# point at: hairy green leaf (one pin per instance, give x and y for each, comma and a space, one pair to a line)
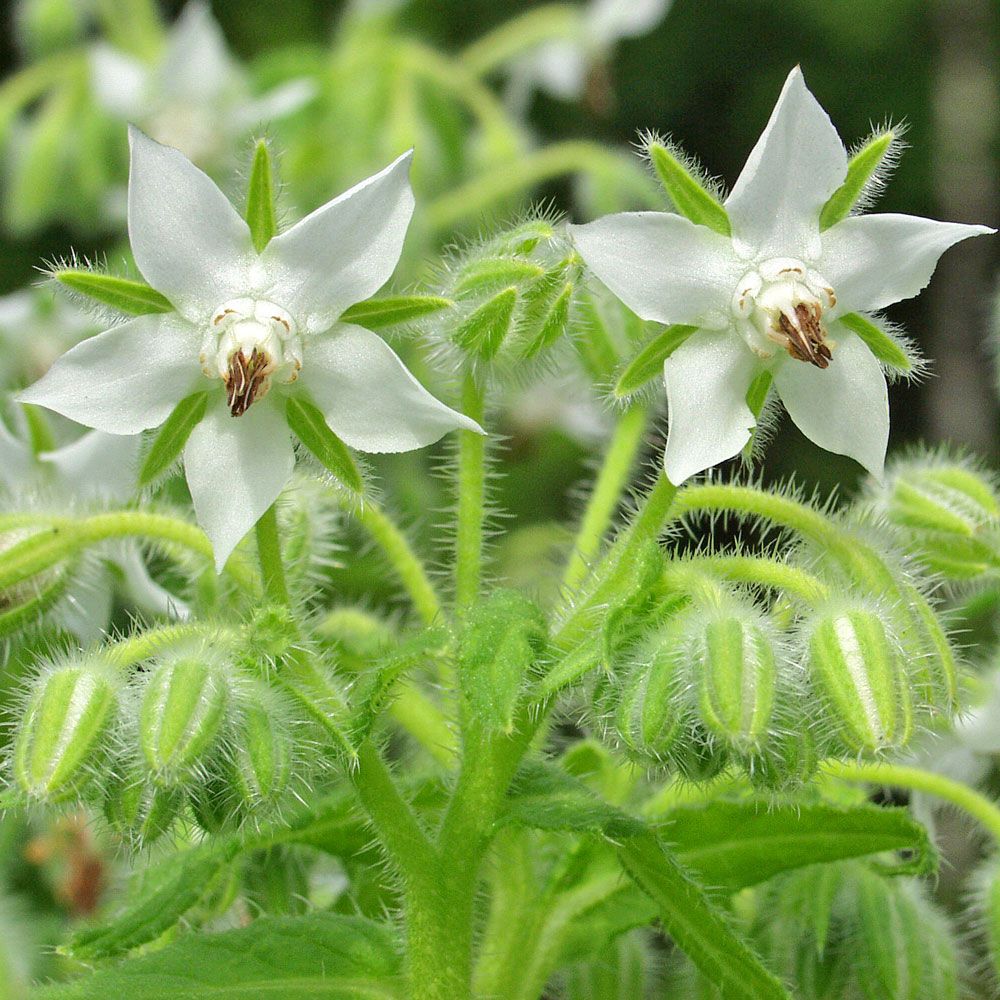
648, 363
863, 165
688, 194
878, 342
294, 958
260, 212
124, 294
484, 330
486, 274
172, 436
309, 425
696, 925
377, 314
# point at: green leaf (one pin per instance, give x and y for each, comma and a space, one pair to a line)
544, 797
697, 927
172, 437
689, 196
737, 844
483, 330
168, 891
756, 398
551, 324
294, 958
39, 431
377, 314
124, 294
309, 425
501, 641
260, 213
878, 342
648, 363
863, 165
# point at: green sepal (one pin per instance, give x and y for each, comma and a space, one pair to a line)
863, 165
309, 425
552, 324
698, 927
648, 363
123, 294
39, 431
484, 330
172, 436
260, 212
878, 342
687, 193
500, 644
485, 274
41, 599
377, 314
756, 398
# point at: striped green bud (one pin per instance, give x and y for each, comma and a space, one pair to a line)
262, 756
181, 716
64, 730
648, 712
857, 667
736, 662
951, 513
140, 811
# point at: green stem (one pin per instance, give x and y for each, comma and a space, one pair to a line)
520, 34
607, 493
471, 499
763, 572
472, 199
269, 554
141, 646
404, 560
967, 799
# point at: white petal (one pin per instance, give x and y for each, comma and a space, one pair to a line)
196, 65
798, 162
874, 260
843, 408
118, 80
343, 252
86, 609
126, 379
662, 266
283, 100
188, 240
235, 468
97, 465
707, 379
141, 589
16, 459
609, 20
370, 398
559, 68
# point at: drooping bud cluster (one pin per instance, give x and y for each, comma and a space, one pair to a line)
948, 511
34, 576
515, 292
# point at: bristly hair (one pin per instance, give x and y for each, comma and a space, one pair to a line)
690, 163
879, 178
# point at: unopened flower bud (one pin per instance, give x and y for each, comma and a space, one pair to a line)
181, 716
262, 756
736, 663
859, 670
139, 810
63, 729
951, 512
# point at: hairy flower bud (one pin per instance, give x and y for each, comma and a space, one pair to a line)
139, 810
63, 729
181, 716
858, 669
736, 663
951, 513
262, 756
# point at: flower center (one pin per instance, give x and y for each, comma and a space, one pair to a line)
782, 302
248, 343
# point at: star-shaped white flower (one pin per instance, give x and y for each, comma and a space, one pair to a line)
250, 328
97, 467
195, 97
771, 296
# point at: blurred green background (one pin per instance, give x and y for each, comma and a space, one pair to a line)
708, 76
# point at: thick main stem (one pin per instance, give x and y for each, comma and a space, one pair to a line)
471, 499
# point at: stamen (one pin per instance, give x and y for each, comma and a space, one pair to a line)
247, 380
805, 336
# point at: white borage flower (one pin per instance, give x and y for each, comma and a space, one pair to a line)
561, 67
260, 327
195, 97
771, 296
97, 468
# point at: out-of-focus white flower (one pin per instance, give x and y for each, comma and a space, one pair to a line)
96, 468
195, 97
35, 328
259, 327
561, 67
770, 296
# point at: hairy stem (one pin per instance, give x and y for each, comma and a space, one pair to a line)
471, 499
269, 554
606, 495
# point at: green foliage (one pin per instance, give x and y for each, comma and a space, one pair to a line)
135, 298
398, 310
861, 170
309, 425
172, 436
261, 215
689, 196
884, 347
648, 363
